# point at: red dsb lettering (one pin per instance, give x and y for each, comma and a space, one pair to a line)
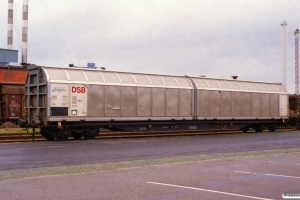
73, 89
78, 89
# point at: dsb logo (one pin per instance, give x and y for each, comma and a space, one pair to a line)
78, 89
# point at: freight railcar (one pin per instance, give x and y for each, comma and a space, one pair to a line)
76, 102
11, 101
12, 81
294, 109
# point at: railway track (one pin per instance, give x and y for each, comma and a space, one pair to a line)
20, 136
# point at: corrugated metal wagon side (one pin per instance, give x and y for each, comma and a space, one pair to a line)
76, 102
257, 104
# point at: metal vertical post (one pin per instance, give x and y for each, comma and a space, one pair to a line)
296, 33
297, 112
283, 25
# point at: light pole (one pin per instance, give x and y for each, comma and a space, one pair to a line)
283, 25
296, 33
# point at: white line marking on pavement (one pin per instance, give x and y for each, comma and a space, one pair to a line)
282, 176
267, 174
185, 187
243, 172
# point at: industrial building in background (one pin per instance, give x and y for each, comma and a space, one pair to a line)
12, 74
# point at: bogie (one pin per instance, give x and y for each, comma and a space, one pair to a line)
76, 135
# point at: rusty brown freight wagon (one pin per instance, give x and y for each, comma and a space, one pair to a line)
11, 97
12, 80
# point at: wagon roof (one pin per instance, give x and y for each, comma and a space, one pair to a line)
104, 77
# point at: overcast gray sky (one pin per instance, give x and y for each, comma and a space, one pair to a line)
216, 38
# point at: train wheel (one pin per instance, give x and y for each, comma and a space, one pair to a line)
258, 128
62, 134
76, 136
271, 128
91, 133
46, 133
49, 136
245, 129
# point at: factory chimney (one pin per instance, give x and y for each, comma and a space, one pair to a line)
283, 25
25, 32
10, 23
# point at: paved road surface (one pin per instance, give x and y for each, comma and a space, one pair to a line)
263, 178
64, 153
